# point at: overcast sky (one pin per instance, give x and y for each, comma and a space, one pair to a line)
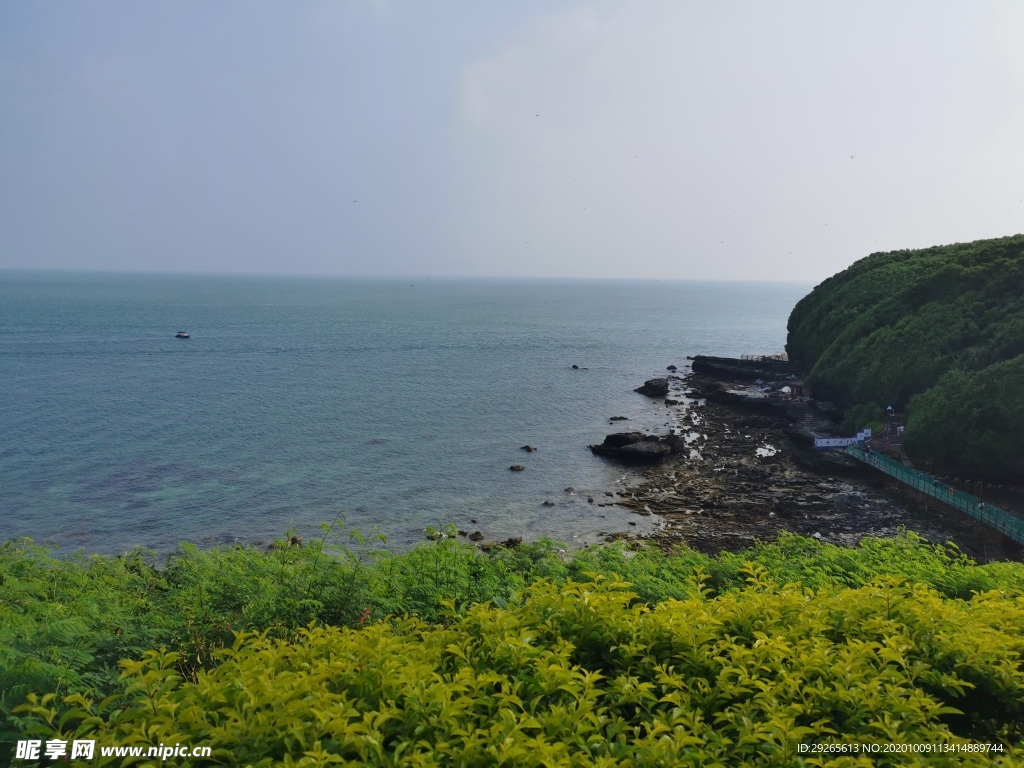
686, 140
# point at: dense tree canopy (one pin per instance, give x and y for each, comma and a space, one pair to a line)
939, 332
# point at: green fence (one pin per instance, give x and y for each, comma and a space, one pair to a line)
1010, 526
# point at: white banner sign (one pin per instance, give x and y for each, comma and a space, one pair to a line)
842, 442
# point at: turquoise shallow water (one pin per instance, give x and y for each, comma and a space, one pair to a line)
397, 403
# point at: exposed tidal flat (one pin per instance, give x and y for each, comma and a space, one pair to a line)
396, 404
743, 470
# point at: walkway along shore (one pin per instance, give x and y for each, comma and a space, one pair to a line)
999, 520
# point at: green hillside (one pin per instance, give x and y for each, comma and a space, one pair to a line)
938, 332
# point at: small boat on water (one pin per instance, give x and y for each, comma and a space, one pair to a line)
182, 335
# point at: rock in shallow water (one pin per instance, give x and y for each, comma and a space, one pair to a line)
619, 439
654, 388
633, 448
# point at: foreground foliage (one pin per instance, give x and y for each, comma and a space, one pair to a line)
66, 623
939, 331
585, 674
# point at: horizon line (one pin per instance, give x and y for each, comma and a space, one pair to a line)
382, 276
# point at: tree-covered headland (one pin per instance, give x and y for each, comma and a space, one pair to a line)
938, 332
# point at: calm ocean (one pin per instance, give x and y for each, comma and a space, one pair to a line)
397, 404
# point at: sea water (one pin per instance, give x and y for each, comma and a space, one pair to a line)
395, 405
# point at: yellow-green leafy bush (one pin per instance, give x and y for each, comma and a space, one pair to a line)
584, 674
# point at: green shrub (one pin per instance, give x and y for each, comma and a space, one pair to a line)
585, 674
65, 623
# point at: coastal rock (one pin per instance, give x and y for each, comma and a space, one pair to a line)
654, 388
735, 369
671, 368
527, 448
476, 536
670, 401
575, 367
548, 503
646, 452
619, 418
517, 467
633, 448
618, 439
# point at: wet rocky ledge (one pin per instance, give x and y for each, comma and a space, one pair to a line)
740, 467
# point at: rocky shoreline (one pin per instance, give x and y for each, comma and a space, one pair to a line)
740, 467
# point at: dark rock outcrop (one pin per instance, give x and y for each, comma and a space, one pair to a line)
736, 369
633, 448
654, 388
646, 452
517, 467
619, 439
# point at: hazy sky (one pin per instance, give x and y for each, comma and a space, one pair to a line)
723, 140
